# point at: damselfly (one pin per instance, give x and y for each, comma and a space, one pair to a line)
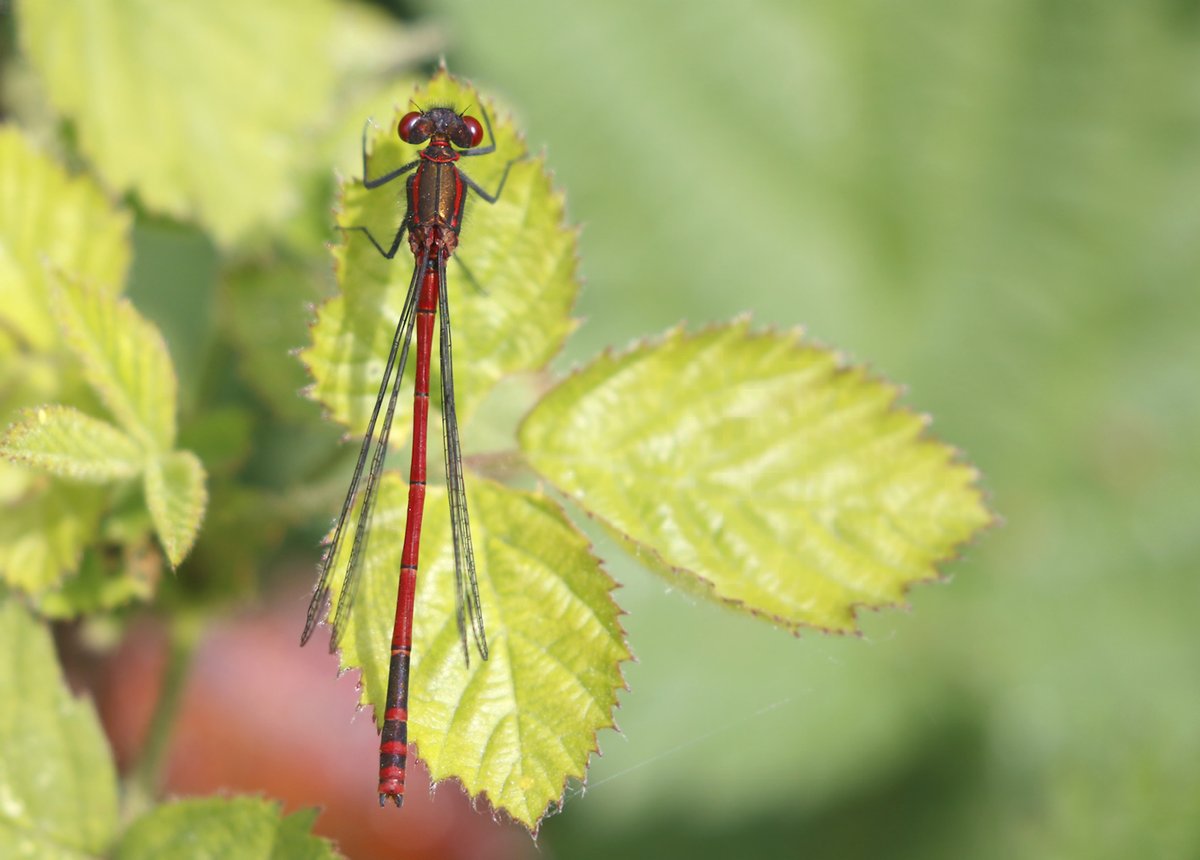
436, 193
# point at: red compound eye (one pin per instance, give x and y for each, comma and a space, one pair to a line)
411, 129
475, 128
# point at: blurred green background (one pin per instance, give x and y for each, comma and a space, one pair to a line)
993, 202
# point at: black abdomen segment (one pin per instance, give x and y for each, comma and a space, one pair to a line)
393, 743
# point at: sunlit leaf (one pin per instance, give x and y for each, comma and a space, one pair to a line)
124, 358
43, 533
234, 828
63, 441
758, 469
515, 742
198, 107
58, 785
520, 252
517, 726
176, 496
47, 216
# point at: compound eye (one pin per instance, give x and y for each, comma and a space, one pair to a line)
475, 129
412, 129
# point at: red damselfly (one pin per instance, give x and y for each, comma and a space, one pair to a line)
436, 191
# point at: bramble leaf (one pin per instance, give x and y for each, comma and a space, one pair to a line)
63, 441
58, 783
47, 216
199, 108
124, 358
43, 533
234, 828
759, 470
521, 724
519, 251
517, 726
176, 496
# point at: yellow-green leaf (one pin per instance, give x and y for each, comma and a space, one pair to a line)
517, 726
760, 470
43, 533
124, 358
58, 784
231, 828
518, 249
198, 107
63, 441
48, 216
176, 496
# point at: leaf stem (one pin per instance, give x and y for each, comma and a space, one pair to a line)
144, 783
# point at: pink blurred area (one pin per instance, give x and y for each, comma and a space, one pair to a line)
261, 715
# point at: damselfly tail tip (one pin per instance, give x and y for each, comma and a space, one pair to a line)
398, 799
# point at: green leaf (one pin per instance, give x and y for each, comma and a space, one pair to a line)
63, 441
176, 497
105, 580
124, 358
521, 724
123, 562
519, 250
237, 828
198, 107
58, 785
43, 533
48, 216
517, 726
759, 470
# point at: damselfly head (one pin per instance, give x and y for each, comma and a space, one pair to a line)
463, 131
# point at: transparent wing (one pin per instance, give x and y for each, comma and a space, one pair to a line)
393, 372
466, 590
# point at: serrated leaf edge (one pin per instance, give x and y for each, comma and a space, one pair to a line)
501, 812
31, 414
704, 586
202, 504
134, 424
